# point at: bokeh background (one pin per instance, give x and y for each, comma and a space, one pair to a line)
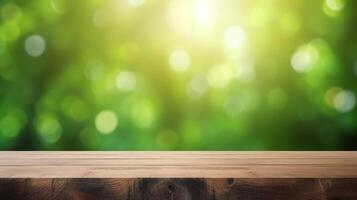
178, 75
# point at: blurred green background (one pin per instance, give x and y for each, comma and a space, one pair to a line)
178, 75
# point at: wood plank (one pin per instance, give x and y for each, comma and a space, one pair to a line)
114, 164
178, 189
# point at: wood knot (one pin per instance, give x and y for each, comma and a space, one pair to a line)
171, 187
230, 181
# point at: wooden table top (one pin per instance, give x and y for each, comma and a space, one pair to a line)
178, 164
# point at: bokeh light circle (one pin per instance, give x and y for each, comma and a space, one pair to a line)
180, 60
35, 45
106, 121
234, 37
125, 81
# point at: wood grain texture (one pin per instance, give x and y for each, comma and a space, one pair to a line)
178, 164
178, 189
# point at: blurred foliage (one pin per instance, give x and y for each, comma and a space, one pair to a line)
178, 75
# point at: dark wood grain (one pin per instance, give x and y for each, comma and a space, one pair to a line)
179, 189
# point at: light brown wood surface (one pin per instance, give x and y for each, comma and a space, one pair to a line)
119, 164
